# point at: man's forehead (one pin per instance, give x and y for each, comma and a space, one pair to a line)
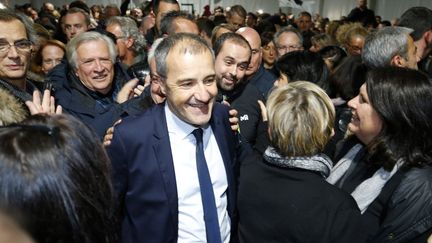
74, 17
288, 38
101, 45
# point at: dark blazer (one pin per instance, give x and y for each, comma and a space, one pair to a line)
144, 178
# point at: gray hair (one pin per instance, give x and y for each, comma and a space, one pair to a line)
7, 15
185, 43
380, 47
151, 53
287, 29
85, 37
129, 28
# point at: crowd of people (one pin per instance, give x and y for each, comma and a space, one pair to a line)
151, 124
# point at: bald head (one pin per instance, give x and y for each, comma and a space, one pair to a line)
250, 34
254, 41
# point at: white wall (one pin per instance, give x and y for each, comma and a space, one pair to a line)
332, 9
269, 6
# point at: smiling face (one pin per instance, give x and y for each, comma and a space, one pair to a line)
366, 124
190, 86
13, 65
231, 64
94, 66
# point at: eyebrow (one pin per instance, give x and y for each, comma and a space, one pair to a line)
229, 58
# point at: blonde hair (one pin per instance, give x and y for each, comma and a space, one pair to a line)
301, 118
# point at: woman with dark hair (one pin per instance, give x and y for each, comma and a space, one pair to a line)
55, 172
268, 50
333, 56
303, 65
387, 165
283, 195
345, 84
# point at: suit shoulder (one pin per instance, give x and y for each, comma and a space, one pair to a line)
144, 120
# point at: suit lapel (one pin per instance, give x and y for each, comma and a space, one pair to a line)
162, 150
226, 148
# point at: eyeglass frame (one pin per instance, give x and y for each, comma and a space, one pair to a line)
289, 48
8, 46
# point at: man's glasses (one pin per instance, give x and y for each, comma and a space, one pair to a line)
21, 46
289, 48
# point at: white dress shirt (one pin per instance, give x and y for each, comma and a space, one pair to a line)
191, 226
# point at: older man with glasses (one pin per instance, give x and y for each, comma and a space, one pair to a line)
16, 43
288, 39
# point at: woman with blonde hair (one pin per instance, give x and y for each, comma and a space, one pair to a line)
283, 195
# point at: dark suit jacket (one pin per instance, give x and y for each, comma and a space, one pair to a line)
144, 178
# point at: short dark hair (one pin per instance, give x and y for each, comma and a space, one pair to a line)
57, 174
304, 66
167, 22
417, 18
7, 15
185, 42
206, 25
237, 10
347, 78
229, 36
157, 2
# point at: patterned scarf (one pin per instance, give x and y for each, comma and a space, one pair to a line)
319, 163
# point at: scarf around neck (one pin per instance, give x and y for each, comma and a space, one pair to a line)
318, 163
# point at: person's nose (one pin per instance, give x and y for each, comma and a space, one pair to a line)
12, 52
353, 102
202, 93
98, 66
233, 70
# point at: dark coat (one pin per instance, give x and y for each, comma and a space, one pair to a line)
293, 205
403, 210
263, 80
95, 110
244, 99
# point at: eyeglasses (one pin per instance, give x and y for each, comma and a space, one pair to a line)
289, 48
21, 46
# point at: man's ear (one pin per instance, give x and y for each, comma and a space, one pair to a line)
428, 37
162, 84
129, 42
398, 61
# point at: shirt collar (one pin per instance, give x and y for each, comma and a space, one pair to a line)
178, 127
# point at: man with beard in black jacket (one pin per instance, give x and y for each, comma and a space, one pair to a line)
233, 54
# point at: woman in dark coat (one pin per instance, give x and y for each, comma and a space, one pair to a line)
283, 195
386, 166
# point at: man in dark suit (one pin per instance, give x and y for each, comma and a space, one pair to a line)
155, 156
